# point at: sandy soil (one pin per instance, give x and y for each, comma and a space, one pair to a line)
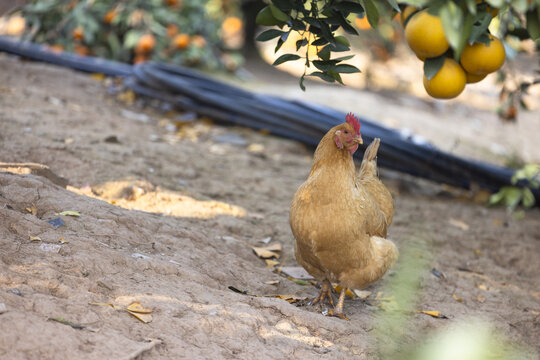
168, 219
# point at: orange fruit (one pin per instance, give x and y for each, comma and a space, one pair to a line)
172, 30
139, 58
472, 78
81, 50
481, 59
425, 35
362, 23
198, 41
146, 44
56, 48
15, 26
448, 83
78, 33
181, 41
109, 16
405, 13
232, 25
172, 2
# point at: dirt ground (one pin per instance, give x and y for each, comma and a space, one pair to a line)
169, 216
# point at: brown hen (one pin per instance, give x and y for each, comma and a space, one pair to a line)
340, 219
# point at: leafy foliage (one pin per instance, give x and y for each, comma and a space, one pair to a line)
113, 29
322, 23
512, 196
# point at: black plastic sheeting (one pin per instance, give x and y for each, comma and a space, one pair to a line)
193, 91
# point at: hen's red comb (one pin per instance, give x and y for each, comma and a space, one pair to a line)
353, 121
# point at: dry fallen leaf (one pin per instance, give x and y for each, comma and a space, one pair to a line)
34, 238
290, 298
145, 318
271, 263
267, 252
362, 294
106, 304
482, 287
459, 224
458, 299
296, 272
478, 252
272, 282
69, 213
256, 148
138, 308
481, 298
135, 309
32, 209
434, 313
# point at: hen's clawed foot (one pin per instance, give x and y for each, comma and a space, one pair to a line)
333, 312
325, 293
338, 309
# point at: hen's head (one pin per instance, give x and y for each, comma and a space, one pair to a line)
347, 135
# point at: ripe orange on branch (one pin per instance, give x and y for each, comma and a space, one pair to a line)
448, 83
181, 41
78, 33
425, 35
481, 59
146, 44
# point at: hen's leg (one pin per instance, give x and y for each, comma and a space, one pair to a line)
338, 309
325, 293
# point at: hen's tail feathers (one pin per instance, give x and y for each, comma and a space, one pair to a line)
371, 151
369, 164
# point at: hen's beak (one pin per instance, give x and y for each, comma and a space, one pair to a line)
358, 140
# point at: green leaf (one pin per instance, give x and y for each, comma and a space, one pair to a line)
324, 65
452, 21
498, 197
528, 198
394, 4
324, 53
349, 6
347, 69
319, 42
481, 23
278, 14
266, 18
327, 33
301, 82
335, 75
322, 76
347, 26
463, 36
131, 38
301, 43
533, 23
471, 6
343, 58
513, 197
342, 40
432, 66
372, 12
269, 35
280, 42
284, 5
284, 58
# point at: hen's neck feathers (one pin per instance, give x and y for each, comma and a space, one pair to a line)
329, 156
